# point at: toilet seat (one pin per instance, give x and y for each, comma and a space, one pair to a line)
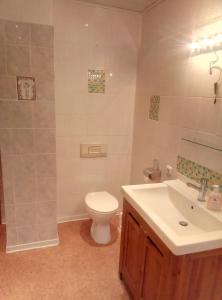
101, 202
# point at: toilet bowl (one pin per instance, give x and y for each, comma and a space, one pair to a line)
101, 207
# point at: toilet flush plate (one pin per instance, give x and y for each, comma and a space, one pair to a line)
93, 150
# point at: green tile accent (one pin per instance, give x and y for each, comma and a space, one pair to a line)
195, 171
154, 107
96, 81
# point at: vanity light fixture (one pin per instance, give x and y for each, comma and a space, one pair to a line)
206, 44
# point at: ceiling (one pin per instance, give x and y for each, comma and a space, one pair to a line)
134, 5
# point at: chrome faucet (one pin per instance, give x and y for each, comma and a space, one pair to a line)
202, 188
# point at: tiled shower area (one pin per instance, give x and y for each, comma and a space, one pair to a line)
27, 134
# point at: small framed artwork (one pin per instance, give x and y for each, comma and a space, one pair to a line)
26, 88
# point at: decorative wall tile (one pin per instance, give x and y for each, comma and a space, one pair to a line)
195, 171
154, 107
26, 88
96, 81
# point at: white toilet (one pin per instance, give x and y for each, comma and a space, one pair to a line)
101, 207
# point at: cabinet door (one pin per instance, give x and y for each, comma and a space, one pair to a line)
154, 271
132, 257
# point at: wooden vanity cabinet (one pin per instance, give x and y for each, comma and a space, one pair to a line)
150, 271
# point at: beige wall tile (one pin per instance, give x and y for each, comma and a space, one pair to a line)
45, 141
11, 236
2, 59
24, 188
47, 231
27, 234
22, 141
8, 87
25, 214
2, 31
44, 88
46, 189
17, 32
42, 62
18, 60
22, 166
43, 114
41, 35
5, 141
46, 212
46, 165
10, 215
15, 114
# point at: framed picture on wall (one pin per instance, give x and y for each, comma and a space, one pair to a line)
26, 88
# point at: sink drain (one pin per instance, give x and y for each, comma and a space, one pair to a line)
183, 223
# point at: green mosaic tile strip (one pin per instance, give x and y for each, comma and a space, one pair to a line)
96, 81
195, 171
154, 107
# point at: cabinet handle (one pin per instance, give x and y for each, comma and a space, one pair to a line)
154, 245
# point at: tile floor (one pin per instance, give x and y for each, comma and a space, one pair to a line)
77, 269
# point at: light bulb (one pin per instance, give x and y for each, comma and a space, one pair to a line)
194, 46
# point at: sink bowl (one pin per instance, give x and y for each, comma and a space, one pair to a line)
173, 212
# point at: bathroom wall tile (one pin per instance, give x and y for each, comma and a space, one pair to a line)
41, 35
47, 231
18, 60
22, 166
22, 141
10, 215
2, 59
45, 140
46, 189
5, 141
42, 57
15, 115
45, 89
16, 32
46, 212
46, 165
8, 87
25, 189
11, 236
25, 214
7, 172
27, 234
208, 115
2, 31
43, 114
71, 124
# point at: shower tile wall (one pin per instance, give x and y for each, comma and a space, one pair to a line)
27, 133
91, 37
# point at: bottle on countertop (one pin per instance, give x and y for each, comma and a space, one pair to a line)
214, 201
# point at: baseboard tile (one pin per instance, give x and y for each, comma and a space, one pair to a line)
78, 218
73, 218
31, 246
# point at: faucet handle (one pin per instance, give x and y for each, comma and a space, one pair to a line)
204, 181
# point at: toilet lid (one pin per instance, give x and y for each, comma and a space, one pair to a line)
101, 201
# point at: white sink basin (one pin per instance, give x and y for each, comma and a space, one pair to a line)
170, 205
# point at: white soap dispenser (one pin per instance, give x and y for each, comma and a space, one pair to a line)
214, 201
